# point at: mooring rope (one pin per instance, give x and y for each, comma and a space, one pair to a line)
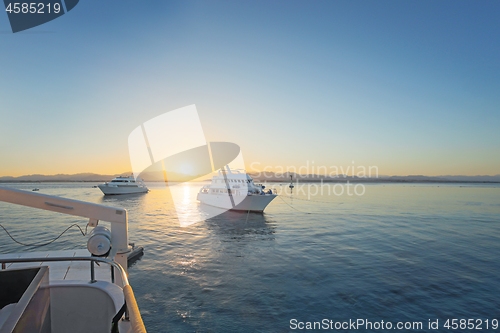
279, 196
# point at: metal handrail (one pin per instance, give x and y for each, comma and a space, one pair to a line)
92, 259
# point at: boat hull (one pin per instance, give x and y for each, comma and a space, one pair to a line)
253, 203
115, 190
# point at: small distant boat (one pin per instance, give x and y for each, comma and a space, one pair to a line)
234, 190
123, 185
36, 189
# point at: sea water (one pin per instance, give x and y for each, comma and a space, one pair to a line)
399, 253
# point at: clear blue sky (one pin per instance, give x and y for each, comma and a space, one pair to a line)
411, 87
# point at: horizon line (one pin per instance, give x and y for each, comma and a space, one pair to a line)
253, 172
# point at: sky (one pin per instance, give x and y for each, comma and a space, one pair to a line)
409, 87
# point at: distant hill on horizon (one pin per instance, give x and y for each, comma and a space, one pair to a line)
79, 177
88, 177
380, 179
270, 177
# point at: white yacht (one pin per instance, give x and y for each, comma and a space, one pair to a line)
64, 291
123, 185
234, 190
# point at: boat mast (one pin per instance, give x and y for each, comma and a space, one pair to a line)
228, 187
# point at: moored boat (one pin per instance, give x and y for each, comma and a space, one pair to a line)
123, 185
234, 190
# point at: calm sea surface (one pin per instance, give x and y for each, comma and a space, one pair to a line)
399, 253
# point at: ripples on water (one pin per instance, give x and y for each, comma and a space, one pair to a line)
398, 253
